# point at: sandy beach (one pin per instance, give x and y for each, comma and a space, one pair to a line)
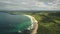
35, 24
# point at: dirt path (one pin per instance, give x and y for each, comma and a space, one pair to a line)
35, 25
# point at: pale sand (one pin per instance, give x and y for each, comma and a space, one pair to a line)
35, 24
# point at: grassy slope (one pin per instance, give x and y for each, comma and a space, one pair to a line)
49, 22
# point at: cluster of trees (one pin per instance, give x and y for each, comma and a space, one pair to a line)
49, 22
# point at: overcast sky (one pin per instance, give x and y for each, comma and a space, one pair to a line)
29, 4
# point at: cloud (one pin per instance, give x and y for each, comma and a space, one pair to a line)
49, 5
29, 5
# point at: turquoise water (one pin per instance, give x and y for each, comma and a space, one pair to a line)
13, 23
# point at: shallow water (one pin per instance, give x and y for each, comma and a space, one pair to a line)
13, 23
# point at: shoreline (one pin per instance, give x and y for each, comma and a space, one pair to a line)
35, 24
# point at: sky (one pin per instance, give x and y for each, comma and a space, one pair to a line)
29, 4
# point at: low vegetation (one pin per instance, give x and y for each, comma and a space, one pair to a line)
49, 22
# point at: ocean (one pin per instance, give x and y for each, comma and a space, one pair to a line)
13, 23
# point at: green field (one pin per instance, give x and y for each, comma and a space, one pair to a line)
49, 22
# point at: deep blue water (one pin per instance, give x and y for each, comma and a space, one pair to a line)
13, 23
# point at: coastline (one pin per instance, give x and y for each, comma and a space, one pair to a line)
34, 26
